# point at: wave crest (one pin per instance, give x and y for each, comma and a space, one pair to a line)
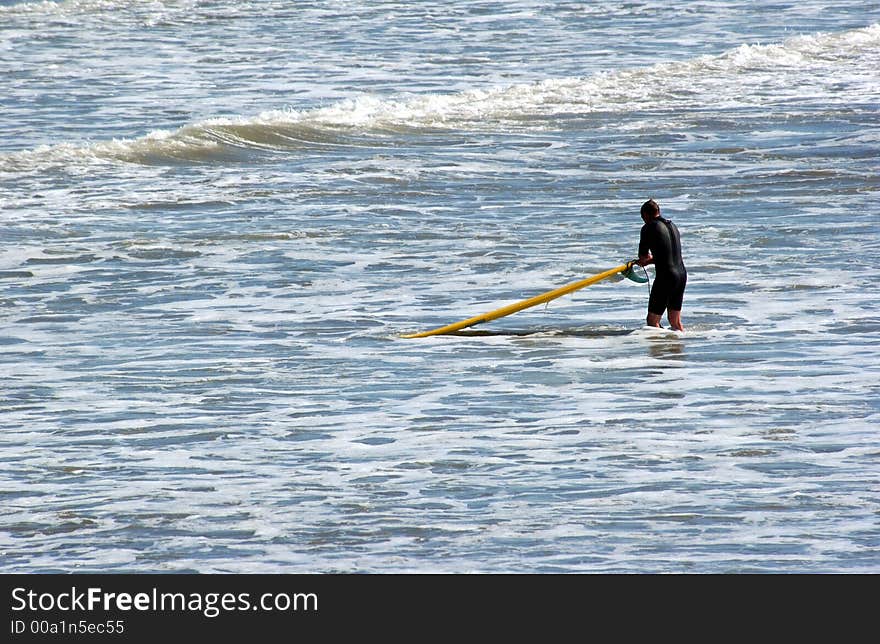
366, 120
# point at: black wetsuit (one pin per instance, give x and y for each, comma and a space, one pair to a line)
660, 236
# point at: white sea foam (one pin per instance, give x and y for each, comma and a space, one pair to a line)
734, 78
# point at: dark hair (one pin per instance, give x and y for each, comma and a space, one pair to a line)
650, 208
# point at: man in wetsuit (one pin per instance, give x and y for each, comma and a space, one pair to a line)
660, 244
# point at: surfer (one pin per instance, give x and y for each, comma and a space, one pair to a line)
660, 244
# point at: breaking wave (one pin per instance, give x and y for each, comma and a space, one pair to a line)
804, 66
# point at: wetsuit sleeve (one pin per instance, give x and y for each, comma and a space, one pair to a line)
644, 243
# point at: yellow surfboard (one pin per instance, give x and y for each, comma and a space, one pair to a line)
519, 306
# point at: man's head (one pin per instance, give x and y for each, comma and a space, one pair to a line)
650, 210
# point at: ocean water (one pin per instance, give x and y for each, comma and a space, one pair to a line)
219, 217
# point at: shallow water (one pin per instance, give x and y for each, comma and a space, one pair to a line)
219, 218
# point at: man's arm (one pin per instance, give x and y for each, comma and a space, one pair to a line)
645, 256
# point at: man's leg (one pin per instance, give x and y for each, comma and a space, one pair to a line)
674, 319
657, 301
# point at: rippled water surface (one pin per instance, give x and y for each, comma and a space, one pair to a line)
219, 218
